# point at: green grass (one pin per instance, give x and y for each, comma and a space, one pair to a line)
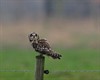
73, 59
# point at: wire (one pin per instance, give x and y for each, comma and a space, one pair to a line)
51, 71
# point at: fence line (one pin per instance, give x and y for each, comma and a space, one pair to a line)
51, 71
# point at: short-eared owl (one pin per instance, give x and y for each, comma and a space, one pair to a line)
42, 46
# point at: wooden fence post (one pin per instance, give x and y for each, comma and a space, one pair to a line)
39, 67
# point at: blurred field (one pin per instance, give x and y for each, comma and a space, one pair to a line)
77, 40
14, 58
57, 31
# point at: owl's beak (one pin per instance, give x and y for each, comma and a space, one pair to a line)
30, 40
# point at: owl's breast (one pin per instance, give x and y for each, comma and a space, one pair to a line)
34, 45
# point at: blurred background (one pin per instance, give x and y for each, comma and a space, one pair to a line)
72, 27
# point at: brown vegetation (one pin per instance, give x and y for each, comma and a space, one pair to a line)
57, 31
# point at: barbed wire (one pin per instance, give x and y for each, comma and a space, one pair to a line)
51, 71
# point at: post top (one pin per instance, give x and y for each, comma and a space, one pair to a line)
40, 57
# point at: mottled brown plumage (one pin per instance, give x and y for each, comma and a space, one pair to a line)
42, 46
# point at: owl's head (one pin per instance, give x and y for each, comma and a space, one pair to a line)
33, 37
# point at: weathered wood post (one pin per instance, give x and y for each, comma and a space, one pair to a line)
39, 67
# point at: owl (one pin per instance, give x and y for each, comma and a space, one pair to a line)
42, 46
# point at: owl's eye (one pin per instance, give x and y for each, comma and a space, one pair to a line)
31, 35
35, 34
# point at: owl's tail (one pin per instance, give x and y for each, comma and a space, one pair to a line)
54, 55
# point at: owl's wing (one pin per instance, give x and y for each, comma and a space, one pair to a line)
43, 46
